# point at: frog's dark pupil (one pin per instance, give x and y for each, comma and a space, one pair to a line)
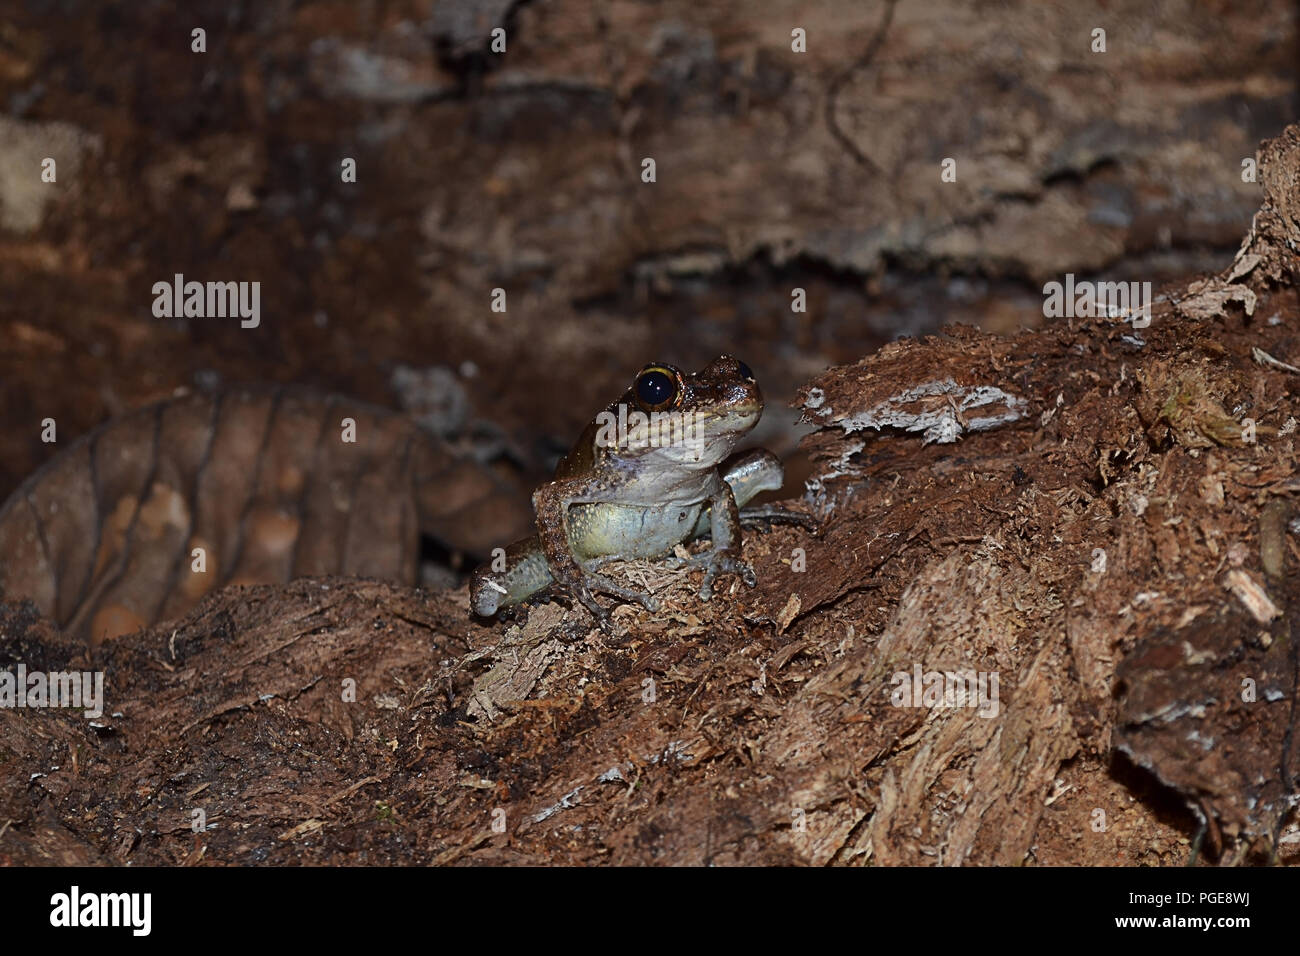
654, 388
745, 371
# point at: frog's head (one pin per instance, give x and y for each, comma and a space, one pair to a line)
690, 420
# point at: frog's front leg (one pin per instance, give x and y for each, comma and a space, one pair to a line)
749, 474
552, 502
724, 555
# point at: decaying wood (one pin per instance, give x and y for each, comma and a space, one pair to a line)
1082, 512
268, 484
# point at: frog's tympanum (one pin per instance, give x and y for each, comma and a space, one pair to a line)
647, 474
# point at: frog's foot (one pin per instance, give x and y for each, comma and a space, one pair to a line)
514, 613
767, 515
603, 585
586, 588
716, 562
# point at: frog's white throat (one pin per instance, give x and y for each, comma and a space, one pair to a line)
698, 455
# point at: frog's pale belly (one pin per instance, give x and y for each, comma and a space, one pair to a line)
626, 530
630, 531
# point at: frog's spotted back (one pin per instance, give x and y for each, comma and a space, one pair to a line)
140, 518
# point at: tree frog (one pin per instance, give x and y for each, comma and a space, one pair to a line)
647, 474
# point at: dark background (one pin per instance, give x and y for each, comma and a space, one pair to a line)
522, 171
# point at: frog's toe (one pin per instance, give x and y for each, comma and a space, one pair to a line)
598, 582
704, 560
725, 564
647, 600
588, 600
577, 592
603, 620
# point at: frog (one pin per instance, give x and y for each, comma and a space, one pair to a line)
653, 470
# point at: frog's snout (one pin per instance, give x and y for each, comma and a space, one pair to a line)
735, 388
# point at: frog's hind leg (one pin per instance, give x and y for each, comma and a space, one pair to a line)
598, 562
604, 585
524, 573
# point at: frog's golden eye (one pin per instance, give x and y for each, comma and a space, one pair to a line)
656, 388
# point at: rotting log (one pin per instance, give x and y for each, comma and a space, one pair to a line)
1099, 516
